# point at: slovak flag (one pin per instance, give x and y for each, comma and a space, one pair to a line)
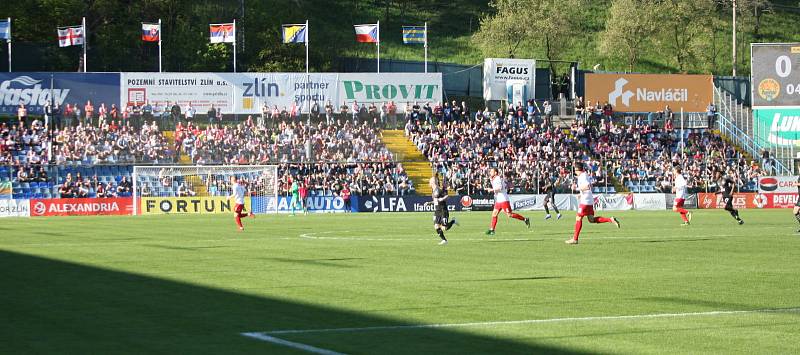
367, 33
70, 36
223, 32
151, 32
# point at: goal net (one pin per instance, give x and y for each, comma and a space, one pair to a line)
203, 189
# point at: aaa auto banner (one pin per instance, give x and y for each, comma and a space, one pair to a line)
163, 205
315, 204
247, 93
81, 206
749, 200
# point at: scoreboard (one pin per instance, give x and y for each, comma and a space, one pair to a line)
775, 74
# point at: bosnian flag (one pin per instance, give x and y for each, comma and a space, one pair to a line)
223, 32
151, 32
70, 36
367, 33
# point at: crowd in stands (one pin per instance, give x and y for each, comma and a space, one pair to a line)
345, 149
529, 150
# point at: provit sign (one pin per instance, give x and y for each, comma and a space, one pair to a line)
397, 87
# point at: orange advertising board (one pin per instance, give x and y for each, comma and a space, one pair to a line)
650, 92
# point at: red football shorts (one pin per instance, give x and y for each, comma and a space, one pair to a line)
585, 210
238, 208
503, 206
679, 202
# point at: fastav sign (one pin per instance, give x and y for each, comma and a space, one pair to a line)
81, 206
650, 92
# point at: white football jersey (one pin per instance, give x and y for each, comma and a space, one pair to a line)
586, 197
680, 187
500, 188
238, 193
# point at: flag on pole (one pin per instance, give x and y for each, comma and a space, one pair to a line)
414, 35
5, 29
294, 34
223, 33
151, 32
70, 36
367, 33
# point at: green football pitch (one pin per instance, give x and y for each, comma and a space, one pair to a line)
380, 284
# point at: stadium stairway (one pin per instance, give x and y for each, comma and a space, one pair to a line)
417, 166
195, 182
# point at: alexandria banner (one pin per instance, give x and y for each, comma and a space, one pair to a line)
34, 90
81, 206
247, 93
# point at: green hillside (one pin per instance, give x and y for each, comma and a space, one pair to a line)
115, 44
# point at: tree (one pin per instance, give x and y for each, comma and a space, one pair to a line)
684, 25
526, 28
629, 27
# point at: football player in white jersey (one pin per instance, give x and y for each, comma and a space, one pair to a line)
679, 188
585, 203
501, 201
238, 192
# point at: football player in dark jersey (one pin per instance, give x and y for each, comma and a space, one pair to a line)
441, 216
726, 188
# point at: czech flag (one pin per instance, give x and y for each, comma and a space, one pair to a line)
151, 32
222, 33
367, 33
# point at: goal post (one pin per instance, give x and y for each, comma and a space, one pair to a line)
184, 189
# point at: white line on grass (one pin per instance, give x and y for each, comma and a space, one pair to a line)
291, 344
525, 321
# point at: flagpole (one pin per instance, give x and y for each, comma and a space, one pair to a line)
426, 47
234, 45
159, 45
379, 46
83, 23
9, 44
308, 80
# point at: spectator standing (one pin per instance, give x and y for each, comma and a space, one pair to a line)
329, 113
315, 111
147, 112
176, 114
88, 111
260, 121
211, 114
190, 112
711, 115
22, 113
392, 108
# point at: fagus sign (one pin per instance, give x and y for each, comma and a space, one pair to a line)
650, 92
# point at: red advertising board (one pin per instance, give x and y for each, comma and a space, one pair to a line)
82, 206
748, 200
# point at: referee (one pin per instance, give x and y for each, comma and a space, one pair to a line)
441, 215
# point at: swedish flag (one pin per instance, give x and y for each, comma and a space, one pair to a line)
294, 34
414, 34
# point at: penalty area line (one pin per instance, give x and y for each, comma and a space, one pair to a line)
291, 344
524, 321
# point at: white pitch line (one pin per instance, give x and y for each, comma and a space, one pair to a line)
525, 321
291, 344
